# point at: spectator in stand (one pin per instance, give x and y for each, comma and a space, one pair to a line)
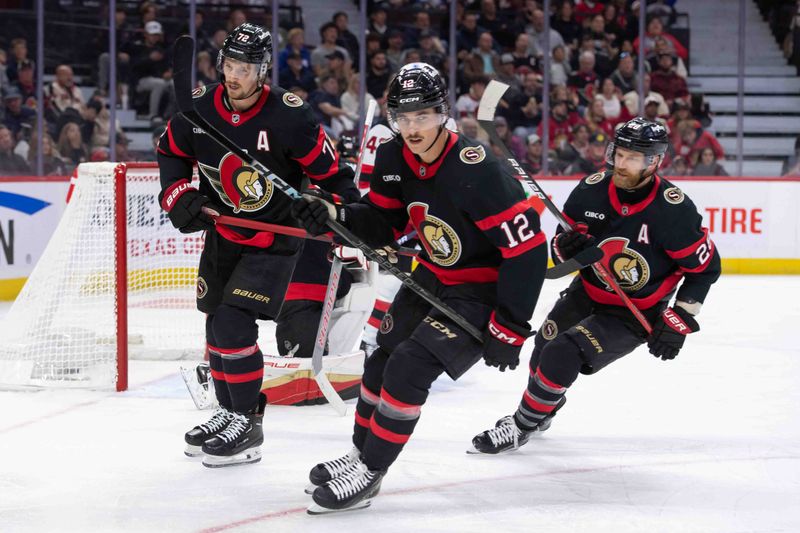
346, 39
295, 74
562, 92
575, 149
584, 80
533, 156
513, 142
631, 99
19, 55
329, 34
395, 50
374, 43
595, 118
700, 109
101, 134
501, 27
52, 163
680, 112
351, 102
651, 106
522, 58
377, 21
11, 164
411, 56
468, 33
611, 97
4, 83
624, 76
707, 164
422, 22
206, 70
470, 128
17, 116
71, 146
216, 43
600, 45
236, 18
327, 107
655, 28
564, 23
506, 74
339, 69
378, 74
296, 39
666, 82
594, 159
614, 24
692, 141
560, 69
535, 28
26, 84
561, 122
467, 104
485, 50
586, 9
63, 94
430, 50
662, 47
679, 167
93, 108
791, 167
151, 67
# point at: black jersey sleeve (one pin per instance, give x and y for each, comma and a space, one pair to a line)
688, 243
381, 216
496, 203
316, 154
175, 153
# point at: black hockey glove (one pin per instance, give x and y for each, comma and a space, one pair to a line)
569, 243
184, 206
502, 344
316, 208
670, 332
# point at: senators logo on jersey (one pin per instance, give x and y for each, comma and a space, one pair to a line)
238, 185
629, 267
439, 239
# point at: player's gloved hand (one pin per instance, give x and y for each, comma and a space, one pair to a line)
502, 344
567, 244
670, 332
185, 207
316, 208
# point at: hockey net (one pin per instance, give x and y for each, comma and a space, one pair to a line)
115, 281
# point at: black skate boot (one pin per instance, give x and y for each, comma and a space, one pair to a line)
196, 436
239, 443
506, 436
324, 472
354, 489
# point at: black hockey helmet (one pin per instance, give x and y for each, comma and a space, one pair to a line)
417, 86
347, 146
248, 43
641, 135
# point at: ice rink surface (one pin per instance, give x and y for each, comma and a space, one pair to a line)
709, 442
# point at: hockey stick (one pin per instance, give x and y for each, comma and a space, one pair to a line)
486, 109
286, 230
328, 303
367, 125
183, 63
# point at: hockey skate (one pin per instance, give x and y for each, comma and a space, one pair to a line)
239, 443
198, 435
352, 490
324, 472
506, 436
200, 385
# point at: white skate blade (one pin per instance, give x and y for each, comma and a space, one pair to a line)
252, 455
310, 488
193, 451
315, 509
202, 397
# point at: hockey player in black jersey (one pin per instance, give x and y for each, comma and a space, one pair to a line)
243, 275
652, 238
483, 254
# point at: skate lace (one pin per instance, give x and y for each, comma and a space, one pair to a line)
337, 466
236, 427
503, 434
218, 421
353, 482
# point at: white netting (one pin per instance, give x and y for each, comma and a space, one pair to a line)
61, 329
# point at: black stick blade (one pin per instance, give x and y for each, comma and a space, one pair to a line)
182, 65
581, 260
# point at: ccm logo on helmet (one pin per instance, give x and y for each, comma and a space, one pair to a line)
411, 99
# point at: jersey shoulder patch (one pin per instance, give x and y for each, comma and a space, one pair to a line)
292, 100
472, 155
674, 195
595, 178
199, 91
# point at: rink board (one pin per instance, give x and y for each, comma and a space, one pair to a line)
753, 221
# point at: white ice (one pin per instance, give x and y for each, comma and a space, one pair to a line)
708, 442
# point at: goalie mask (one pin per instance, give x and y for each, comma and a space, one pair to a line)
250, 49
640, 135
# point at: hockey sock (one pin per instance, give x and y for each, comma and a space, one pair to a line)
236, 332
215, 364
538, 401
368, 399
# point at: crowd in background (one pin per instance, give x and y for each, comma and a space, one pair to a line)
593, 49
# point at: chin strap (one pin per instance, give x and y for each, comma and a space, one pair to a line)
441, 129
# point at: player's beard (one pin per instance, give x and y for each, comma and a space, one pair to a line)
238, 91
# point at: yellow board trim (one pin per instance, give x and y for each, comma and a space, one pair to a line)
9, 288
760, 266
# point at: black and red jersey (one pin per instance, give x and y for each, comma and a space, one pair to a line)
471, 216
279, 130
652, 239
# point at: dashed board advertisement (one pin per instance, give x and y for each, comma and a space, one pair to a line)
30, 209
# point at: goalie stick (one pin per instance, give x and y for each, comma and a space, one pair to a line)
486, 109
183, 63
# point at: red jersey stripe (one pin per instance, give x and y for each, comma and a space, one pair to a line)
312, 155
520, 249
689, 250
457, 276
384, 201
503, 216
314, 292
